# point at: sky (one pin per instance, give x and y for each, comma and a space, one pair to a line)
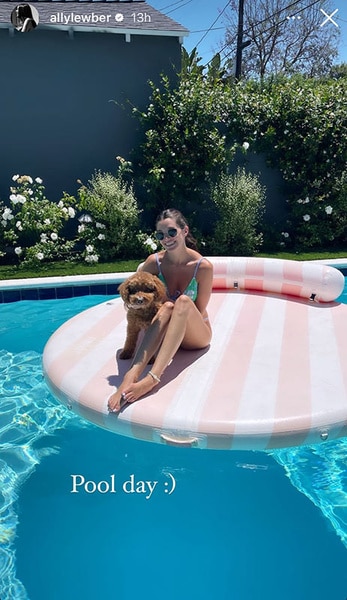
200, 16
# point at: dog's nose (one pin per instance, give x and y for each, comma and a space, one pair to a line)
139, 299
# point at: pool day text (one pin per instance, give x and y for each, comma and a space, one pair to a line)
111, 485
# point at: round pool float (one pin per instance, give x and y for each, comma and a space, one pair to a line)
275, 374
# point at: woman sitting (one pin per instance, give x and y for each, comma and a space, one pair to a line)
182, 321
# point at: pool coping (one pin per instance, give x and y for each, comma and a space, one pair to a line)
57, 288
70, 286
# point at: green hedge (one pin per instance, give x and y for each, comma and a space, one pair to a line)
300, 124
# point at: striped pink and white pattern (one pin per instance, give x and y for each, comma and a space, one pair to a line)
295, 278
275, 374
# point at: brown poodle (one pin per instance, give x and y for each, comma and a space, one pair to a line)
143, 294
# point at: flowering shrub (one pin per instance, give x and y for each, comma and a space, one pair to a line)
147, 242
301, 125
239, 200
110, 221
31, 226
186, 145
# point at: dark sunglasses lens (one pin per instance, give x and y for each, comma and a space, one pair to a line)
172, 232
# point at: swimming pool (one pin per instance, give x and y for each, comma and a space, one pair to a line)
235, 525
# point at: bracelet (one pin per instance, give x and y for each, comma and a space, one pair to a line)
155, 377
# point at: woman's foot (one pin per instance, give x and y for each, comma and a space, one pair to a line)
140, 388
132, 392
117, 400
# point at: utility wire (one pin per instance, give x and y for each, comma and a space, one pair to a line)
168, 12
214, 22
271, 16
285, 8
171, 5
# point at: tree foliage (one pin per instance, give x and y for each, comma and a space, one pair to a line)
185, 144
282, 37
298, 123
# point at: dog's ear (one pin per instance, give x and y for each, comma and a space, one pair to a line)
123, 290
160, 290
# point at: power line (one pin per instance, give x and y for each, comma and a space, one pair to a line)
270, 17
170, 5
181, 5
214, 22
285, 8
203, 30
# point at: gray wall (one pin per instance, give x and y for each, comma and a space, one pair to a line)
56, 118
275, 186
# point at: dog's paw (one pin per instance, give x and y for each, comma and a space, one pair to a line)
124, 354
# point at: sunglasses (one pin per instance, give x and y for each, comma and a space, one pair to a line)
171, 232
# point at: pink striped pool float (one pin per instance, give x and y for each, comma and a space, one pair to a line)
275, 374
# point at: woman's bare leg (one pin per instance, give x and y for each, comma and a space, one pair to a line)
149, 345
187, 329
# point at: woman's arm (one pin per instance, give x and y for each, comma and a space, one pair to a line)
204, 278
149, 265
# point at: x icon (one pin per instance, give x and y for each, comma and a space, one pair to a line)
328, 17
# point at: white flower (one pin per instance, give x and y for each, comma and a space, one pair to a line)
306, 201
89, 248
60, 204
54, 237
21, 198
14, 198
71, 212
43, 237
40, 256
38, 180
64, 209
3, 223
150, 243
81, 228
27, 178
19, 225
47, 221
100, 226
299, 201
328, 210
285, 234
15, 177
245, 145
7, 214
18, 250
101, 236
90, 258
30, 192
306, 217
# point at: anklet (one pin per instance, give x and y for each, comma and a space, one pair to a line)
155, 377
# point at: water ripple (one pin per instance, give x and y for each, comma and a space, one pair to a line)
319, 472
28, 413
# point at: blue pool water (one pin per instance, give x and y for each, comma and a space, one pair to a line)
237, 526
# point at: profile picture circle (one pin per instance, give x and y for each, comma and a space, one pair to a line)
24, 17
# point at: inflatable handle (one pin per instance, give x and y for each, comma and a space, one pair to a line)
180, 441
304, 279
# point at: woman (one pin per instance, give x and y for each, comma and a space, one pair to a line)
22, 18
182, 321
